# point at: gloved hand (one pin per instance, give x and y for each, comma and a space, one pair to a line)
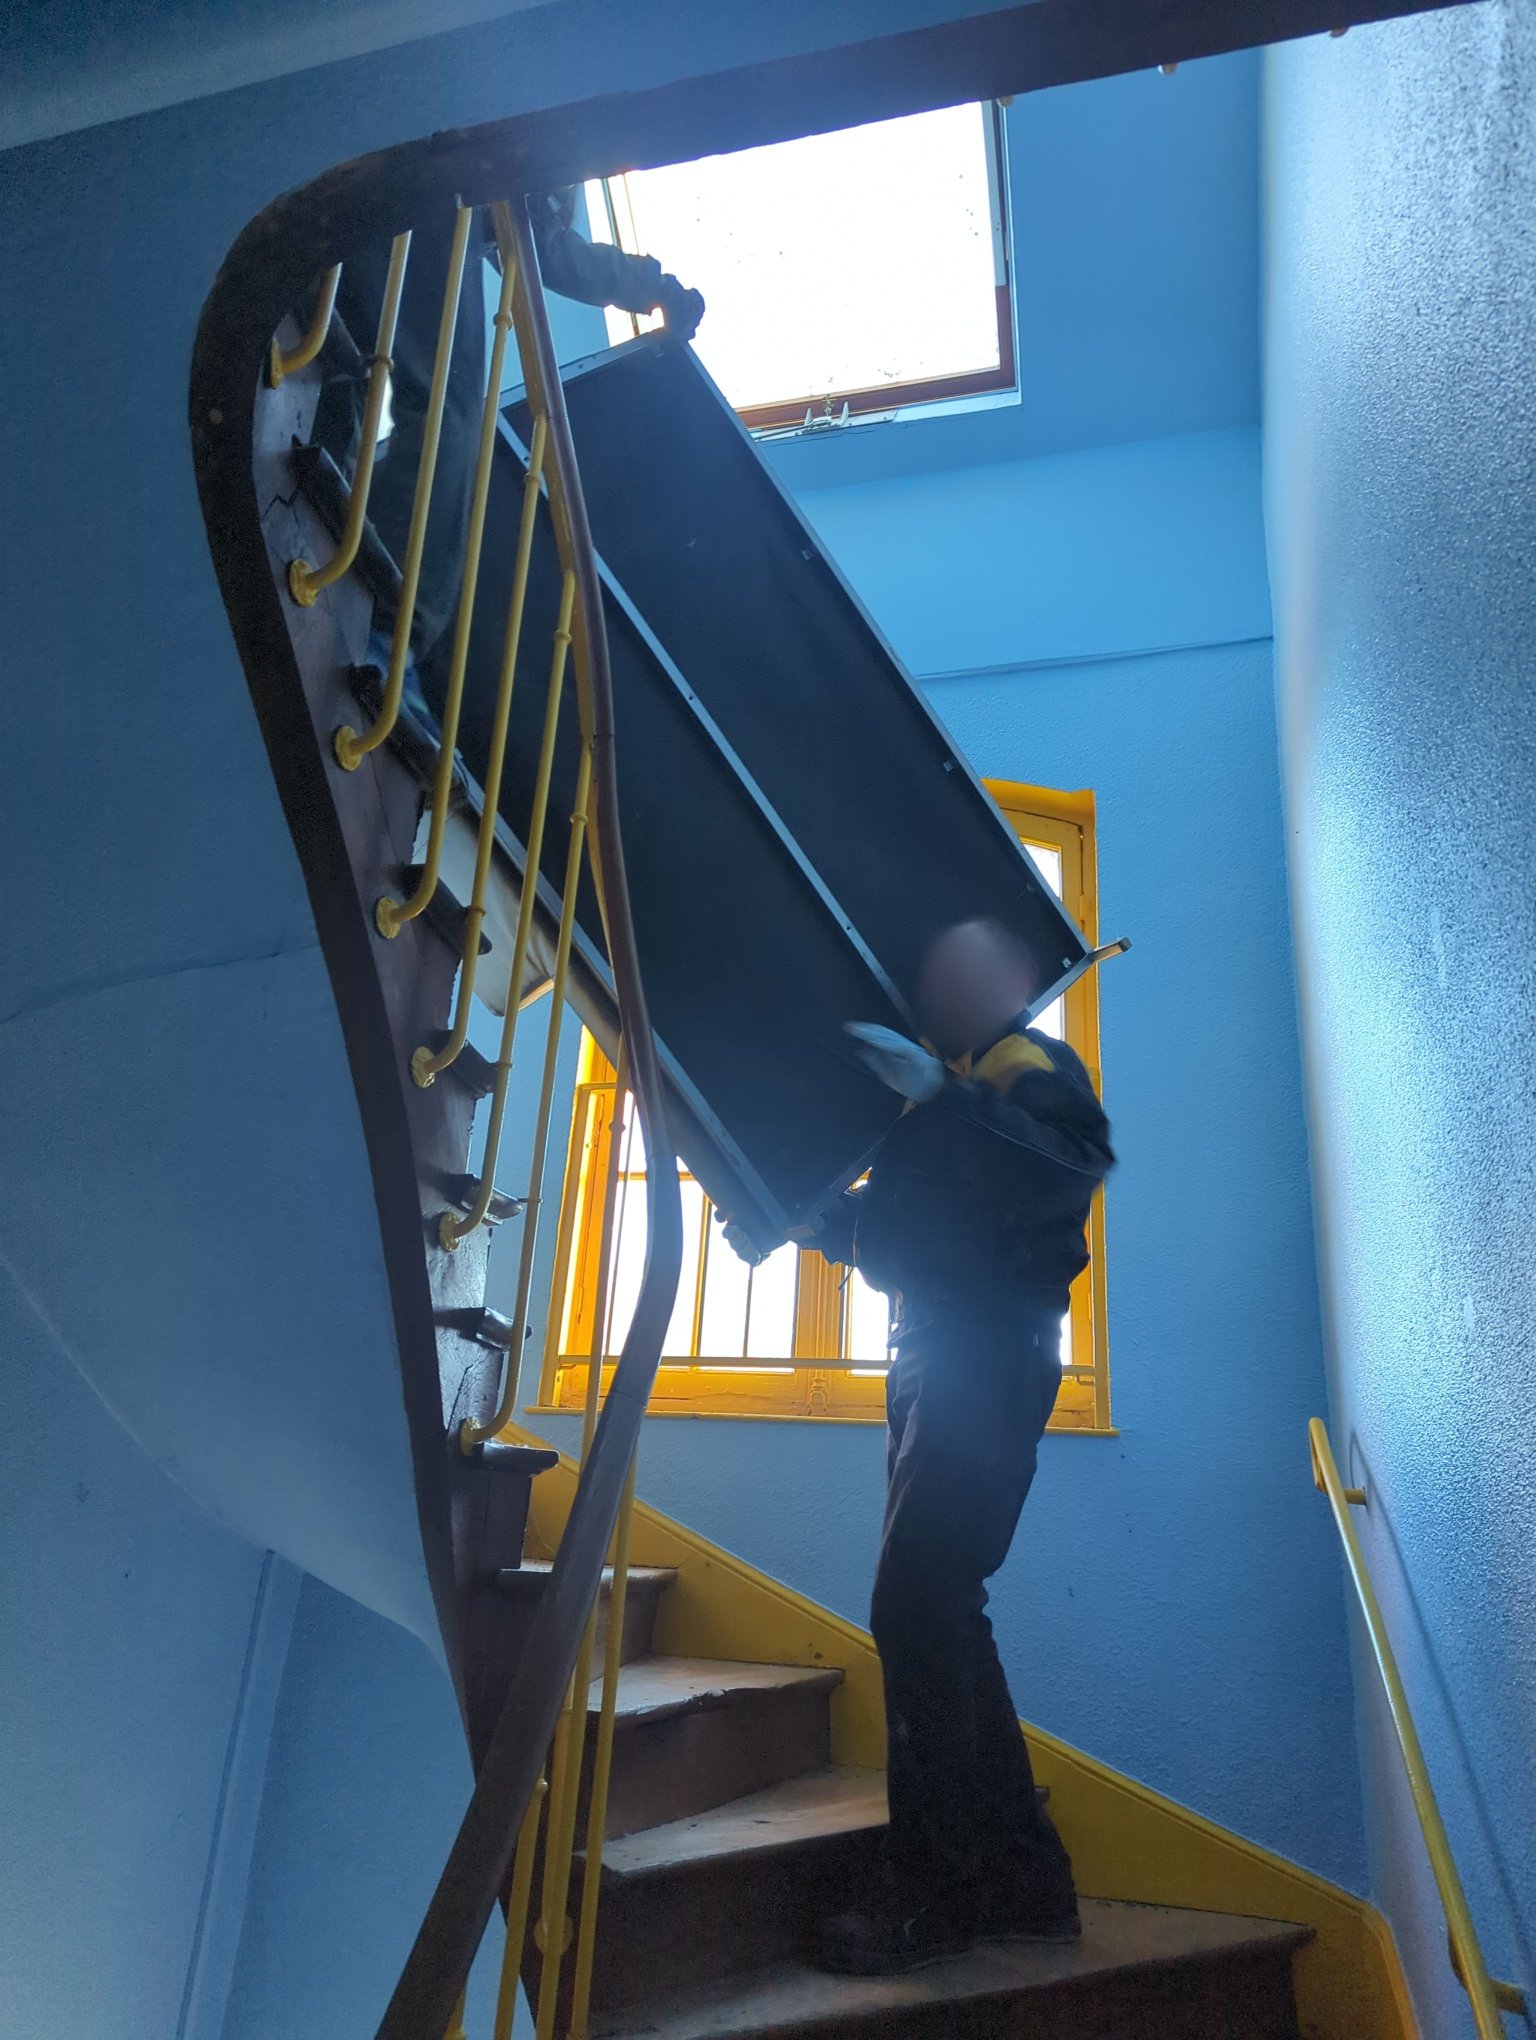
681, 308
741, 1243
898, 1063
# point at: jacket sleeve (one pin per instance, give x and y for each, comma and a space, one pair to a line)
1049, 1108
591, 272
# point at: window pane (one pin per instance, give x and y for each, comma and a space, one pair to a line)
723, 1328
868, 1321
1053, 1020
629, 1234
679, 1340
771, 1319
829, 221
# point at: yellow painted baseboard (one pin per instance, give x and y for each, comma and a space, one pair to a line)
1126, 1841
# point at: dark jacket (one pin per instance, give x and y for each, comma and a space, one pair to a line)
986, 1188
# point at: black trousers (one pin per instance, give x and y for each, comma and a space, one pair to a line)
968, 1399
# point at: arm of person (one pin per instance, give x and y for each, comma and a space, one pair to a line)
831, 1234
597, 273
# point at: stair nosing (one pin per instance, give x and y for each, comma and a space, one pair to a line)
715, 1693
619, 1872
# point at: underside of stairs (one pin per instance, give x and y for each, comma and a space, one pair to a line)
731, 1834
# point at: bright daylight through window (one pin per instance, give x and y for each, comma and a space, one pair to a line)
867, 266
795, 1336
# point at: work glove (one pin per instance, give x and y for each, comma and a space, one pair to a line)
741, 1243
680, 307
900, 1064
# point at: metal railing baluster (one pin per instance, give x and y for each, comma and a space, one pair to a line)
389, 915
281, 365
304, 581
350, 747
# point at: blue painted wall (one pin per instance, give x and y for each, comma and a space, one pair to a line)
1172, 1603
126, 1613
366, 1779
1400, 432
1156, 546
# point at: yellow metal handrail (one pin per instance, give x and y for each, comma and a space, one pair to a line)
304, 581
350, 747
570, 1737
280, 364
452, 1230
517, 1914
472, 1434
390, 916
602, 1767
1485, 1993
544, 1712
425, 1063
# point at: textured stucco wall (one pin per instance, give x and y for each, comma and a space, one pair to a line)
1400, 437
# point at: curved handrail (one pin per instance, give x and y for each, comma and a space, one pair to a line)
476, 1871
1485, 1993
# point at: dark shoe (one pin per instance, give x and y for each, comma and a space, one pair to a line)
1015, 1912
887, 1938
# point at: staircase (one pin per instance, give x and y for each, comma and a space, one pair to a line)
730, 1834
744, 1803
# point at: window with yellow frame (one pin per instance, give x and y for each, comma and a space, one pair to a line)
796, 1337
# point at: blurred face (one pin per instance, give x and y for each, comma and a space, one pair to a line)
972, 987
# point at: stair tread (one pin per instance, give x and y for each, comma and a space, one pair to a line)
653, 1687
1117, 1937
815, 1806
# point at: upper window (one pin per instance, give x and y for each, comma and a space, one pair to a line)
866, 267
796, 1337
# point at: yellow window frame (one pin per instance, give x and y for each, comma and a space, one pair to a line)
814, 1381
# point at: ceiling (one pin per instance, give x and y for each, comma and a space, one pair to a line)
69, 64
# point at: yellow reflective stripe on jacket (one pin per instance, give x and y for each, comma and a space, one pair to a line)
1008, 1060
